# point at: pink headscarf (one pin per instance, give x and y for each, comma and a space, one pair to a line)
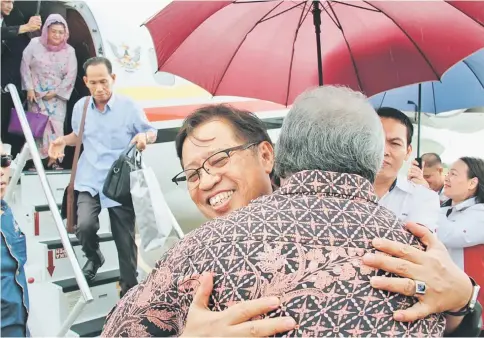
54, 19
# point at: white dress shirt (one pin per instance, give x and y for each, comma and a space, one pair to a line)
412, 202
462, 231
442, 196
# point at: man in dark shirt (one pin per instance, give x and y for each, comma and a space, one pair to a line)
14, 40
11, 32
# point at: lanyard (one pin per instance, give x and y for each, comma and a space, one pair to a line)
394, 184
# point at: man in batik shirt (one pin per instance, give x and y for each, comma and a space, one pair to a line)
303, 243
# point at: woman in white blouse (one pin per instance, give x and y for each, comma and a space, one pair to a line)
461, 222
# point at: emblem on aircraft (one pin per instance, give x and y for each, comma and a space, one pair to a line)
127, 57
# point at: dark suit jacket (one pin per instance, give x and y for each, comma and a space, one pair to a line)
13, 45
8, 33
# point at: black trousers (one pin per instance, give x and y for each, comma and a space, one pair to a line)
122, 227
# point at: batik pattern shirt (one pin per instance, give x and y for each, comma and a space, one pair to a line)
304, 244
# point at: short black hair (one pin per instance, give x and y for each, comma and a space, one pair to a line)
476, 169
399, 116
431, 159
98, 60
247, 126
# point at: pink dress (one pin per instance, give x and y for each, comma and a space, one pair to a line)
44, 69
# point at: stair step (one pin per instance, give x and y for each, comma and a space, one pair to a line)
57, 244
45, 207
106, 277
90, 328
31, 190
47, 172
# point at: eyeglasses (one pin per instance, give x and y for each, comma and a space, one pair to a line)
212, 166
6, 161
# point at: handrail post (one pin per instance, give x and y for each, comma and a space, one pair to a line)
81, 280
21, 160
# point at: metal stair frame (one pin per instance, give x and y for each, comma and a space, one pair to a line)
31, 147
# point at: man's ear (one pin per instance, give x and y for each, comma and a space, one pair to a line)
409, 152
473, 183
266, 155
114, 77
85, 80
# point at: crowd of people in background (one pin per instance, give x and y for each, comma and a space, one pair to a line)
46, 76
286, 242
310, 241
38, 60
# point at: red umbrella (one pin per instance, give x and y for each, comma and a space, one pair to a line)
267, 49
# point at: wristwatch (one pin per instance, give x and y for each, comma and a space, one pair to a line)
469, 306
470, 325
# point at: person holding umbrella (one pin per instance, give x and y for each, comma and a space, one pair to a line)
411, 202
11, 32
433, 173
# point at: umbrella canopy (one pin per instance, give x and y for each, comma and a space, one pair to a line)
267, 49
461, 87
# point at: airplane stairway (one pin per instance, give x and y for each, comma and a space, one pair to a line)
62, 302
53, 290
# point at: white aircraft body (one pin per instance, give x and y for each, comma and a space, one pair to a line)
114, 29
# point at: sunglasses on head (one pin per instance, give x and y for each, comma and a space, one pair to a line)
6, 161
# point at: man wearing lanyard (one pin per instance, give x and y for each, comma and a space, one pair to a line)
411, 201
433, 174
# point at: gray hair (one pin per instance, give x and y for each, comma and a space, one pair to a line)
331, 128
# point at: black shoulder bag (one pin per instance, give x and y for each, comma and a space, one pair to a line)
117, 183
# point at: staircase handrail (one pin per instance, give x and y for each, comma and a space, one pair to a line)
80, 279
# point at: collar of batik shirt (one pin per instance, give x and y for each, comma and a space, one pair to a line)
327, 183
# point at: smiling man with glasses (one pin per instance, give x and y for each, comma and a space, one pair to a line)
227, 157
212, 166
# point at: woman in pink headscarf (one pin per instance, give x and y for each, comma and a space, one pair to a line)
49, 70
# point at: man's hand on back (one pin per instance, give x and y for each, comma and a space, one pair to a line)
448, 288
234, 321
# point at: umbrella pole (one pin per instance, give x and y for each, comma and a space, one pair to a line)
38, 7
419, 105
317, 25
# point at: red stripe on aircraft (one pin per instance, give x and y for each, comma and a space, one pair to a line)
157, 114
36, 224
